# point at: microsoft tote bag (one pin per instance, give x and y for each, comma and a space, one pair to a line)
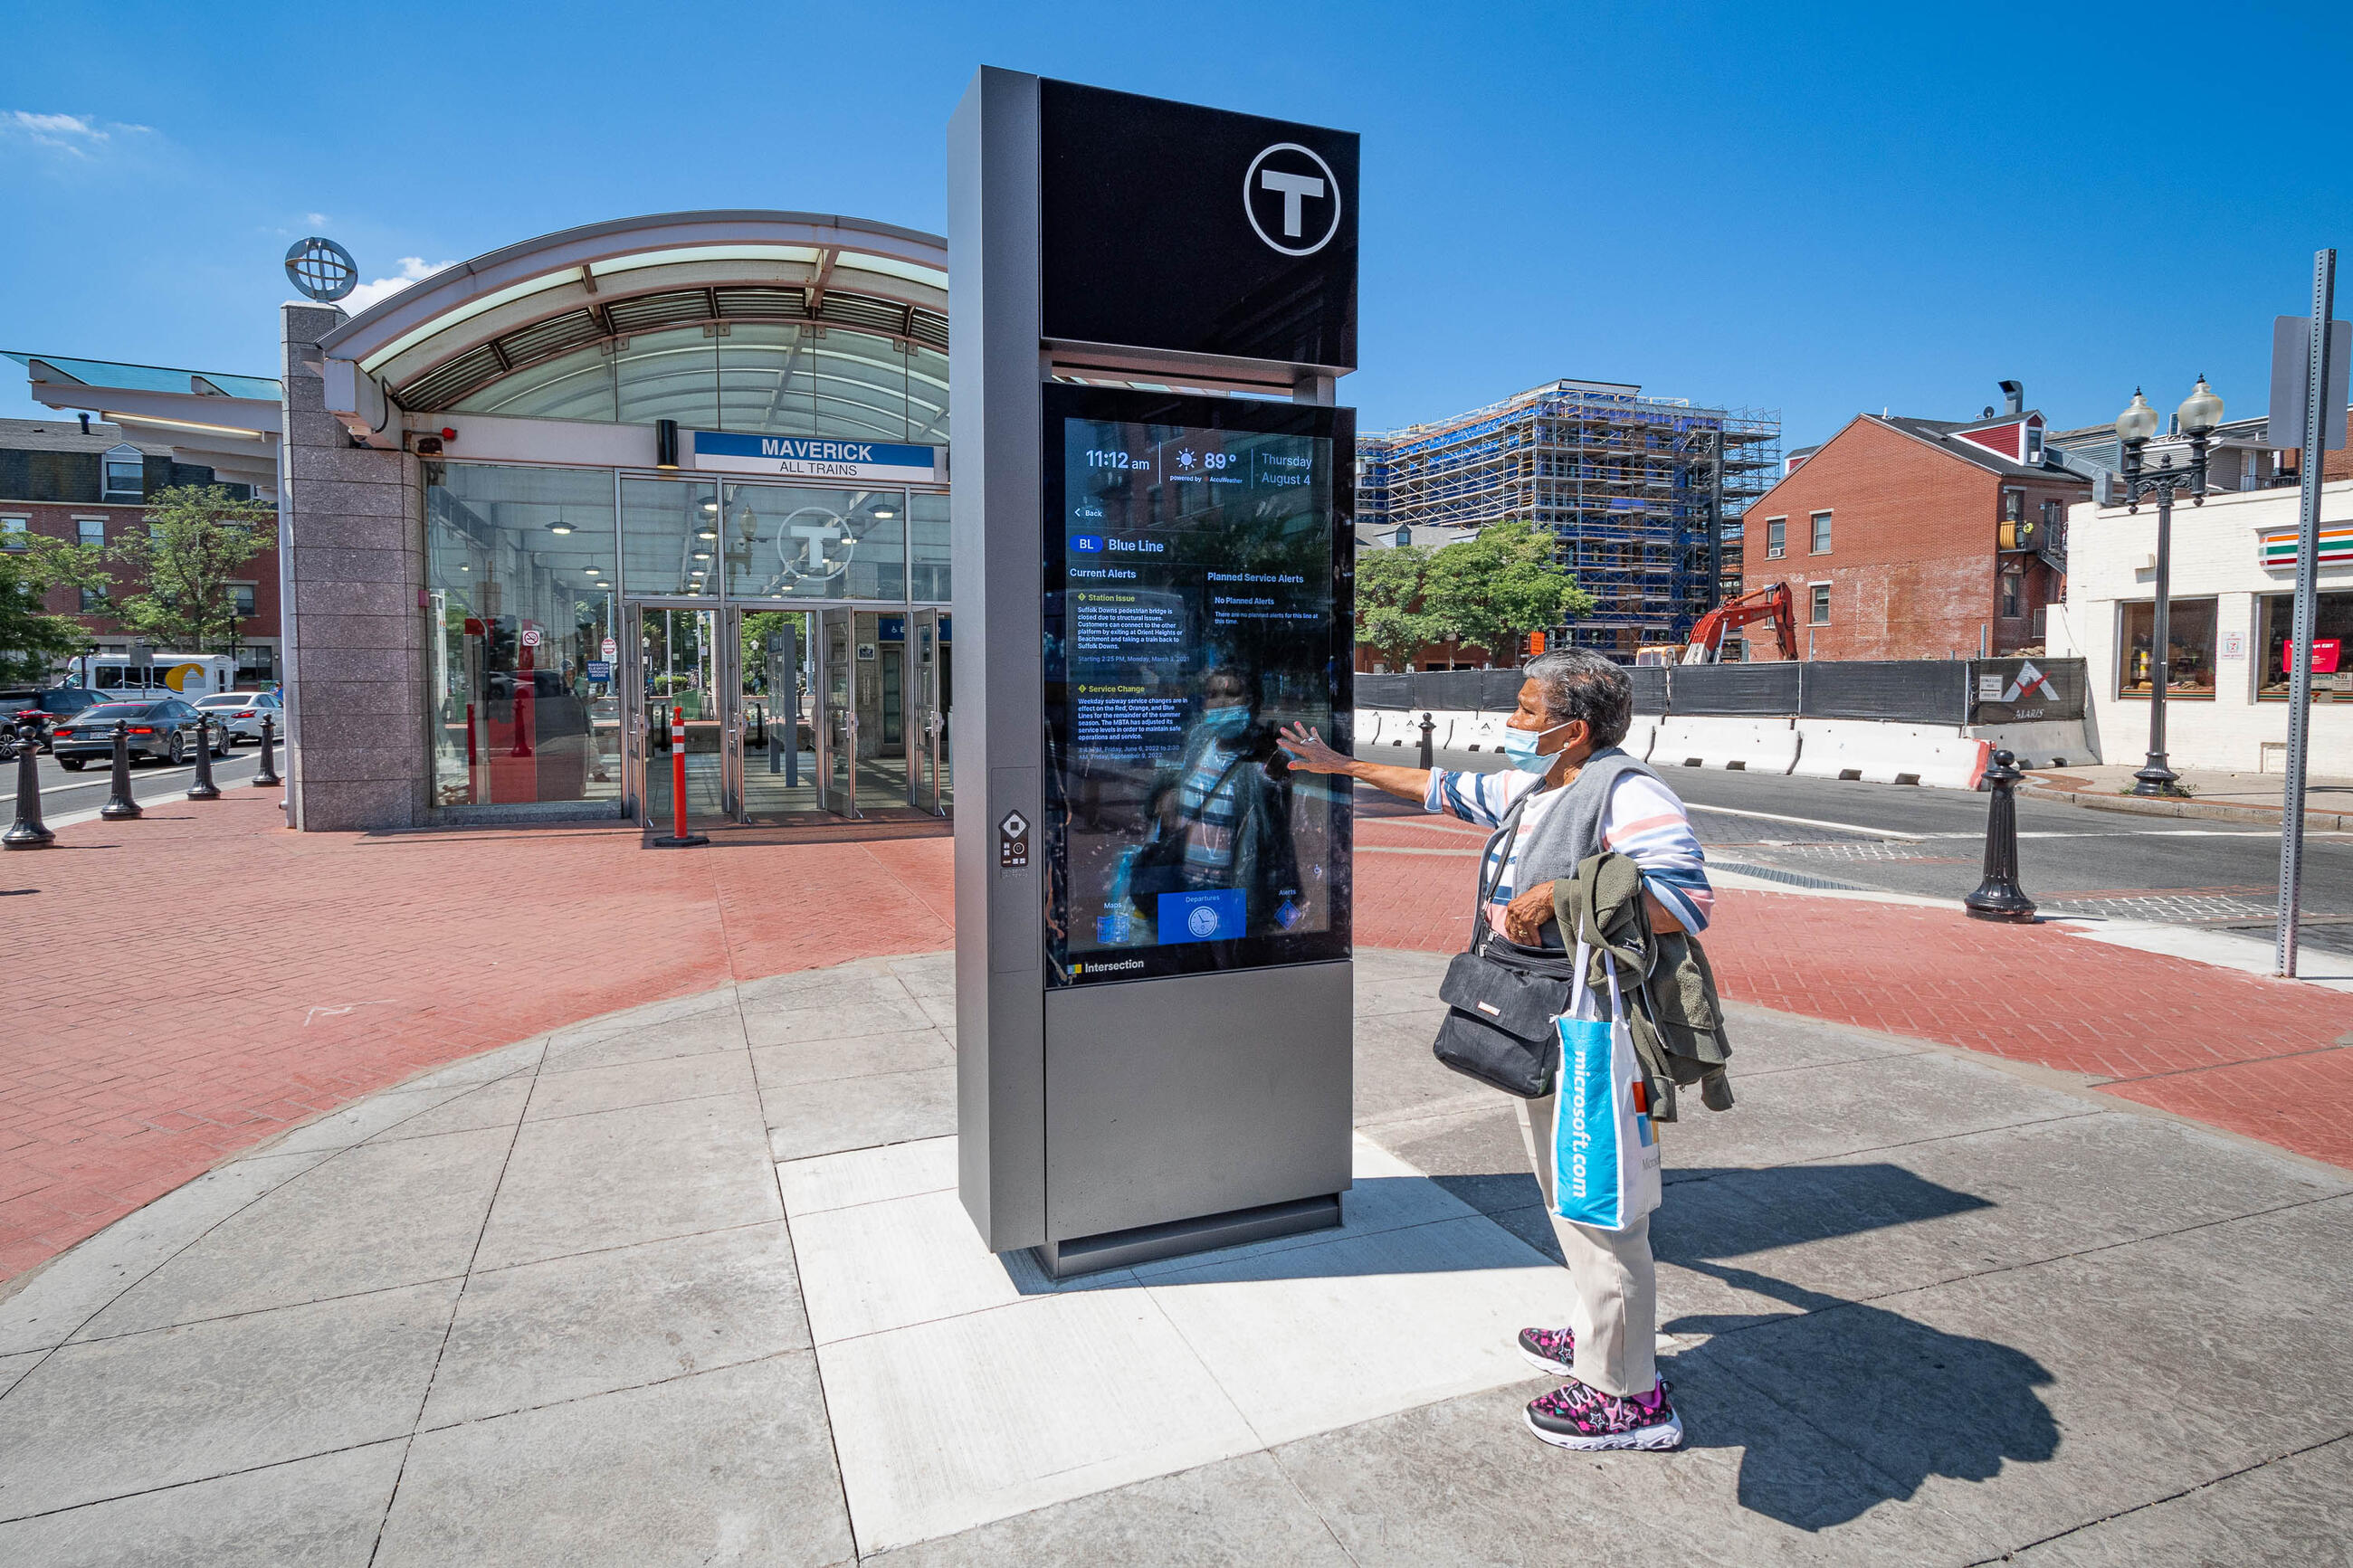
1605, 1151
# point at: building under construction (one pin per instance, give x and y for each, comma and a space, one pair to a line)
1644, 494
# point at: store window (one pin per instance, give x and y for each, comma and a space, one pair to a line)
2189, 631
1819, 610
2332, 666
1822, 545
1777, 531
519, 568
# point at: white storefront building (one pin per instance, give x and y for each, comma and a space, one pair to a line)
2232, 598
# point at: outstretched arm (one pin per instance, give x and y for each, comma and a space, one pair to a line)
1307, 752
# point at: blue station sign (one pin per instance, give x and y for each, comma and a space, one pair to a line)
814, 458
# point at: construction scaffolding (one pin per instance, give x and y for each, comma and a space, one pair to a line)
1645, 495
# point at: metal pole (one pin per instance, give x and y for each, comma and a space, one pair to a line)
2155, 777
2308, 551
1999, 897
204, 788
120, 807
268, 774
29, 832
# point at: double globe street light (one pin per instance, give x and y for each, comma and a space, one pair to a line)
2197, 418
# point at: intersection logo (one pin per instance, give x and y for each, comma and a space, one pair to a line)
2030, 680
1292, 199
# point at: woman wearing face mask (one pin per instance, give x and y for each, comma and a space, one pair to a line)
1232, 815
1577, 794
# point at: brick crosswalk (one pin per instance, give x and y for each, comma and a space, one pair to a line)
189, 985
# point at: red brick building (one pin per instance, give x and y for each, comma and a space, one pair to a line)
1904, 538
70, 479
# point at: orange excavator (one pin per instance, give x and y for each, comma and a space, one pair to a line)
1768, 604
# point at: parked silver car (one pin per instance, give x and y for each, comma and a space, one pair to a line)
239, 713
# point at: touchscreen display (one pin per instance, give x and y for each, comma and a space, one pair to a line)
1193, 608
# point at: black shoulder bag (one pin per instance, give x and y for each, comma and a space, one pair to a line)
1502, 998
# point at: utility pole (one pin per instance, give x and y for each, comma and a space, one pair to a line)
2318, 416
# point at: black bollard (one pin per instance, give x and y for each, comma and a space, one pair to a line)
1999, 897
204, 788
30, 832
120, 807
1428, 754
267, 777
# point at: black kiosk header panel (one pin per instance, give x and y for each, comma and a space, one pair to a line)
1197, 599
1168, 226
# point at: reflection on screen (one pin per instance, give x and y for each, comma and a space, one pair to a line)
1192, 618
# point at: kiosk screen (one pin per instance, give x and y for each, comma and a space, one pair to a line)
1197, 601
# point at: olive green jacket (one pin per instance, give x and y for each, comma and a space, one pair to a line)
1672, 1011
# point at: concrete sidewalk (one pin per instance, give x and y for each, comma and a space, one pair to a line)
686, 1284
2214, 793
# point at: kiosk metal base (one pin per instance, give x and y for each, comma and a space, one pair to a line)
1120, 1249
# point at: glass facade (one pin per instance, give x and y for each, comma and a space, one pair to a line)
2332, 635
531, 572
520, 574
771, 379
2188, 628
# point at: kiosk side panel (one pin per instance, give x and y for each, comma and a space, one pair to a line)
993, 374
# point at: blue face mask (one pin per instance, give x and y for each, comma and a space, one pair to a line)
1520, 746
1230, 721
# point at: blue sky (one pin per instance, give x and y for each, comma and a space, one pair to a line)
1815, 209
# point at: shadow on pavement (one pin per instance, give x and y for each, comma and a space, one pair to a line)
1805, 1396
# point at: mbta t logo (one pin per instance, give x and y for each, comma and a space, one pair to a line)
1292, 199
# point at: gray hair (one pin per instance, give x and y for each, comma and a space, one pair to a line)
1579, 683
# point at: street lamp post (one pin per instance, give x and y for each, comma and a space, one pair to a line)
2200, 412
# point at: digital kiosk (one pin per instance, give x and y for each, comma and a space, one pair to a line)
1153, 550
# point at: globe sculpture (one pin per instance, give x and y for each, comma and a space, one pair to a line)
321, 268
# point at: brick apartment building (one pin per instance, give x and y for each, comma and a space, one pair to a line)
71, 476
1904, 538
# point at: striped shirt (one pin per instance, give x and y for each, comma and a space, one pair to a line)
1642, 820
1206, 797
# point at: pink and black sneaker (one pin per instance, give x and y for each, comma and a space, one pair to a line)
1577, 1415
1549, 1350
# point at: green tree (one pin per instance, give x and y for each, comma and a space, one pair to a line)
758, 628
32, 641
1502, 583
1391, 619
197, 536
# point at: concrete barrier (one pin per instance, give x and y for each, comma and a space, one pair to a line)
1937, 755
2049, 743
1750, 745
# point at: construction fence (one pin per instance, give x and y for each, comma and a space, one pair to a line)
1913, 691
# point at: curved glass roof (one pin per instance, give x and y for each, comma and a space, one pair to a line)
779, 323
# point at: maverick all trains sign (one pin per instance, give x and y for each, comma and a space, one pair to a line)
802, 458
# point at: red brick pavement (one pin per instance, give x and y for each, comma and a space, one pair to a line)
189, 985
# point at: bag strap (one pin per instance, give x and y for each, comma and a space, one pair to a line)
1498, 851
1577, 988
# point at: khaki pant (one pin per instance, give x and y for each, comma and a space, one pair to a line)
1614, 1313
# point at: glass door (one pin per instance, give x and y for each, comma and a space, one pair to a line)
780, 762
836, 718
682, 666
926, 785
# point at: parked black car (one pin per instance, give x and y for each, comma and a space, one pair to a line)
43, 709
161, 730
